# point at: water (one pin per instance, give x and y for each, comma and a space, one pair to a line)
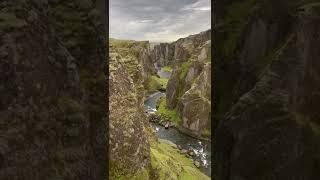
151, 102
202, 149
161, 72
164, 74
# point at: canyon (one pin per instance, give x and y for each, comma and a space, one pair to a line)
136, 74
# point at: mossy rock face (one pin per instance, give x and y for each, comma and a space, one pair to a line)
188, 95
129, 145
256, 87
44, 101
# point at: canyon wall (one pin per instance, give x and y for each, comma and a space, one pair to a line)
135, 152
129, 147
189, 88
266, 89
52, 83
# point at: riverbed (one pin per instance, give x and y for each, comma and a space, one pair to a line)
201, 149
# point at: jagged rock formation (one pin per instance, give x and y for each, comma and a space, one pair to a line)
188, 91
165, 54
266, 90
129, 145
52, 58
162, 54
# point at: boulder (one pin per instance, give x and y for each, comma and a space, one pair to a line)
196, 163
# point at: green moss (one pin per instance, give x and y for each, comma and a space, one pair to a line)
167, 69
163, 111
206, 132
170, 164
184, 69
156, 83
141, 175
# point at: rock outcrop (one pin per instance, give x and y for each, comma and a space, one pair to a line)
169, 54
129, 147
266, 90
188, 90
47, 130
162, 54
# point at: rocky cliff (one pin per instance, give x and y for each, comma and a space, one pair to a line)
129, 146
266, 89
135, 152
52, 59
188, 91
165, 54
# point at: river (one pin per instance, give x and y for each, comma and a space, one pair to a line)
201, 149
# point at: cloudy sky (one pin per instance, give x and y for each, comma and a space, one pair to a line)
158, 20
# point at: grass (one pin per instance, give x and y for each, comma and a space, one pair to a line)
170, 164
168, 113
156, 83
140, 175
206, 132
184, 69
167, 69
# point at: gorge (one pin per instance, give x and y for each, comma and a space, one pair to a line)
136, 72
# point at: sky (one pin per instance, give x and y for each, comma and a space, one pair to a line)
158, 20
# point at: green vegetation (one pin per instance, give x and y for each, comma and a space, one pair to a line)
184, 69
140, 175
206, 132
170, 164
167, 113
167, 69
156, 83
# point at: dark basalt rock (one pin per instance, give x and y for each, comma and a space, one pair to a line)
47, 130
266, 94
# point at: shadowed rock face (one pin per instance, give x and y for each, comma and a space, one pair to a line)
267, 90
47, 130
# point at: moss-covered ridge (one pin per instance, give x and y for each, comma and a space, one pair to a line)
170, 164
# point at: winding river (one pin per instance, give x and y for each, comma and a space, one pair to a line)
201, 149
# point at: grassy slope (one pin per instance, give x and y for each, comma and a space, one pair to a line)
170, 164
167, 69
156, 84
171, 114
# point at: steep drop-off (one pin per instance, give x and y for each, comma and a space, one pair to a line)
266, 89
188, 93
129, 145
135, 152
52, 83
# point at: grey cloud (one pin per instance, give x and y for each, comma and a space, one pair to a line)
158, 20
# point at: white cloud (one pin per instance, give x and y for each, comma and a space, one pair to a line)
158, 20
